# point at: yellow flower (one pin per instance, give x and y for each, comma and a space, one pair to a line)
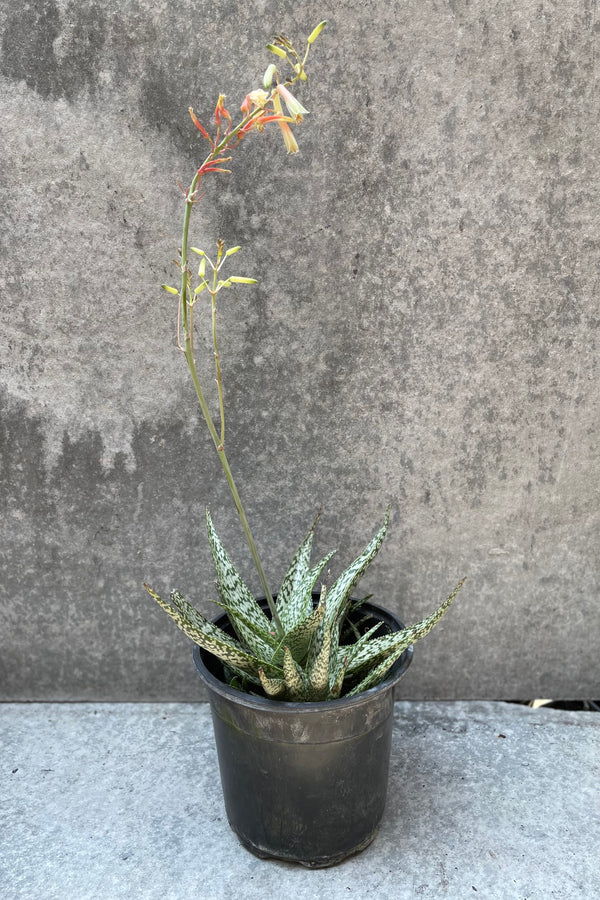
291, 144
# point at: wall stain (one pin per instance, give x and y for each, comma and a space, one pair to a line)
30, 39
27, 47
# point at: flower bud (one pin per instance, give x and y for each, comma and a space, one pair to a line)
317, 31
277, 50
269, 75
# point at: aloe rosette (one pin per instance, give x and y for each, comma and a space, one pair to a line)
307, 657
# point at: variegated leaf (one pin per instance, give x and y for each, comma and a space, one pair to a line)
294, 677
350, 650
298, 639
340, 591
247, 632
336, 680
241, 605
231, 671
300, 602
298, 568
375, 650
199, 621
317, 638
273, 687
211, 638
376, 675
318, 674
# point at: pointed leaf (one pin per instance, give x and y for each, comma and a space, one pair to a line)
376, 675
345, 584
337, 681
248, 633
241, 605
351, 650
294, 677
375, 650
299, 566
211, 638
318, 637
298, 639
299, 603
318, 674
273, 687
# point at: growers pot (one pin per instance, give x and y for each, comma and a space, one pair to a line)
304, 782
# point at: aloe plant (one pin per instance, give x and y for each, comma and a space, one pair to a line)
324, 650
295, 649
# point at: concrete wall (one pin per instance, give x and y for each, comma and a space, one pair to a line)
425, 332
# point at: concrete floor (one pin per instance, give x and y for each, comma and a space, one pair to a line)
110, 801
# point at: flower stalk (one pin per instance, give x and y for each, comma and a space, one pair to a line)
258, 109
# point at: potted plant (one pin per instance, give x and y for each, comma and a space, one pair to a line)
300, 682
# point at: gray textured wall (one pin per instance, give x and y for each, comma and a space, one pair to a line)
425, 331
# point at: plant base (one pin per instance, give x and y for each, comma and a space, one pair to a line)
304, 782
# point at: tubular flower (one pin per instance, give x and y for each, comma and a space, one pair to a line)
258, 100
295, 108
200, 127
221, 113
213, 165
291, 144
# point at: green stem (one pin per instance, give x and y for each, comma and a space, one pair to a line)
216, 349
189, 355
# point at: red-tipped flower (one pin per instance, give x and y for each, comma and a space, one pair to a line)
221, 113
213, 165
200, 128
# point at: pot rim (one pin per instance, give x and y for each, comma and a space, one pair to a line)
292, 707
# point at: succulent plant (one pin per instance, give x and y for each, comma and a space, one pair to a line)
315, 651
294, 649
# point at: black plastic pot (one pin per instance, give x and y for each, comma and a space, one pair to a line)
304, 782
